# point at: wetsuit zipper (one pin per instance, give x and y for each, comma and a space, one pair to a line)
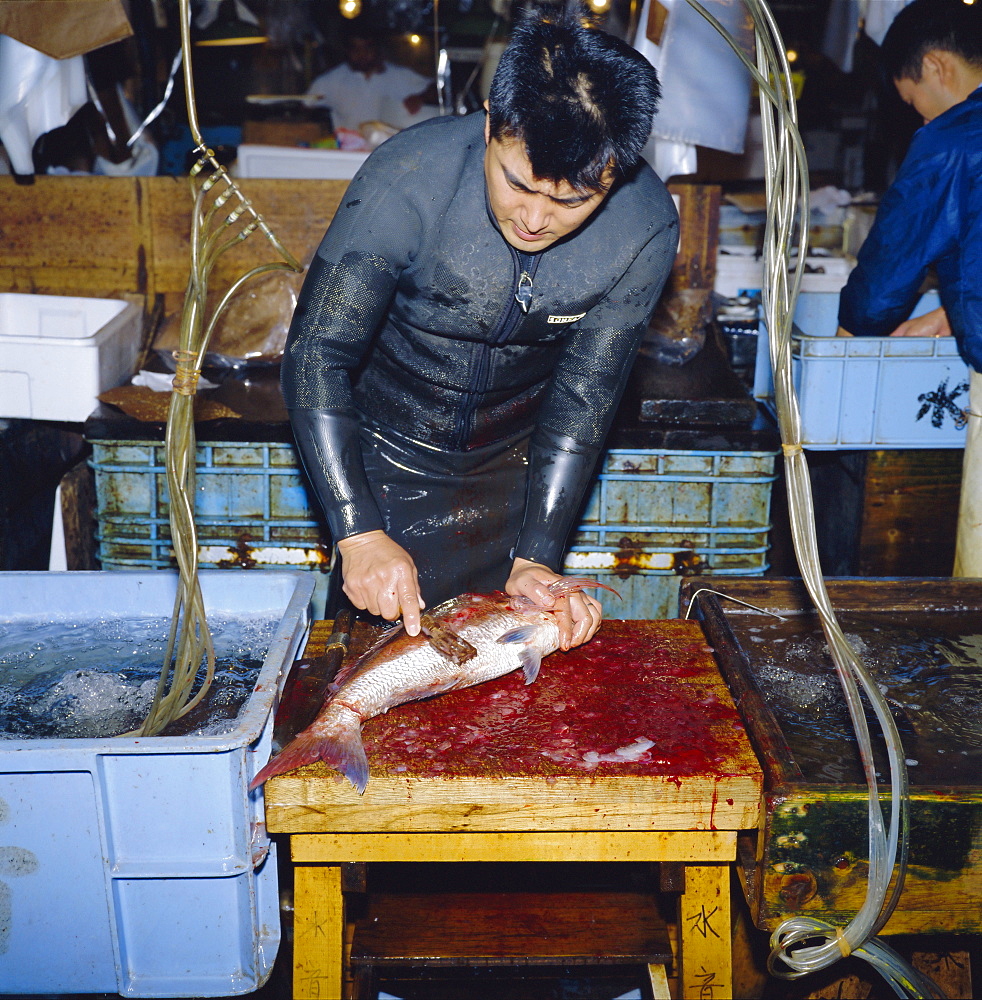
524, 267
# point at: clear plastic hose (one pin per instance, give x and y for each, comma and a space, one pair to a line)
804, 944
221, 218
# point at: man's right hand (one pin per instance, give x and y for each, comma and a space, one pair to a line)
931, 324
380, 577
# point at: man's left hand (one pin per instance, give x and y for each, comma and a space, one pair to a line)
578, 615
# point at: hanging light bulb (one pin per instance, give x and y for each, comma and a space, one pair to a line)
599, 6
349, 8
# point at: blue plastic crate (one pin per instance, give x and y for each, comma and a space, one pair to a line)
869, 392
141, 865
252, 507
655, 516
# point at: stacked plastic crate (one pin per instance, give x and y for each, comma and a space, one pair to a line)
658, 515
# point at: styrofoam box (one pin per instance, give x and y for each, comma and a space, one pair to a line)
142, 866
655, 515
869, 392
57, 353
255, 160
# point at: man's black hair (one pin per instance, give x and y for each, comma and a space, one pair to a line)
579, 99
949, 25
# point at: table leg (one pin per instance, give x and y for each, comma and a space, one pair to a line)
318, 932
705, 971
658, 978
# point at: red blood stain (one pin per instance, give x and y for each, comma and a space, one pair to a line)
634, 680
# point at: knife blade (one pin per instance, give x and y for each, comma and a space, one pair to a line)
306, 685
449, 643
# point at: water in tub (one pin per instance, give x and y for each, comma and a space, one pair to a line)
927, 665
96, 677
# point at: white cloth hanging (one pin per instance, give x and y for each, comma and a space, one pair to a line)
842, 26
37, 94
697, 108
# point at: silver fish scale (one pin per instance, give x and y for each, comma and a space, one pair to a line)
421, 671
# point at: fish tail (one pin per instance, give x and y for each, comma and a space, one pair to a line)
573, 584
336, 741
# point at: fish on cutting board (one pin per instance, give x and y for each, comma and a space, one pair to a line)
507, 633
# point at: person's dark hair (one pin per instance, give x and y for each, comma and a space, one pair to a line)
949, 25
363, 29
578, 98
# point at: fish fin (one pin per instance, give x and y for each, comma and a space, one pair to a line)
529, 657
573, 584
531, 660
521, 633
338, 745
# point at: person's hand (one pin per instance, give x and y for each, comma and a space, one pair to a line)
932, 324
577, 615
413, 103
380, 577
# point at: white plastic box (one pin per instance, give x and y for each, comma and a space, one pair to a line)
743, 274
57, 353
142, 866
869, 392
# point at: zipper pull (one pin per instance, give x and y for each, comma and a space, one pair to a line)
523, 294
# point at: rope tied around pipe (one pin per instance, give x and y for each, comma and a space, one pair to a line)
842, 942
187, 374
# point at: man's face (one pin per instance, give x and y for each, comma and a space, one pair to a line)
363, 55
923, 97
931, 95
533, 214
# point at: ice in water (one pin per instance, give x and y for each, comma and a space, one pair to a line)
97, 678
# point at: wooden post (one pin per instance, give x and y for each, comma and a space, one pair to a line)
318, 952
968, 546
78, 516
704, 929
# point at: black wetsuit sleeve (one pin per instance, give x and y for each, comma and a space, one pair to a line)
343, 301
560, 469
580, 405
330, 449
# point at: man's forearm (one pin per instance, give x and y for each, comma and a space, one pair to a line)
330, 448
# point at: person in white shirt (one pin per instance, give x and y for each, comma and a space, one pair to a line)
367, 88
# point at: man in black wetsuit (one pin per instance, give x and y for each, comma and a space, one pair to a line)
469, 321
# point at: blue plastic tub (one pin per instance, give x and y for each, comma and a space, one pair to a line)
142, 865
869, 392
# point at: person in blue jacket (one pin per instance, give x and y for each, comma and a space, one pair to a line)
468, 324
931, 218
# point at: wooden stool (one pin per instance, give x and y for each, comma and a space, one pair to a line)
682, 807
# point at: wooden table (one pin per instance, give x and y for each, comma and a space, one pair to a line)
498, 773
